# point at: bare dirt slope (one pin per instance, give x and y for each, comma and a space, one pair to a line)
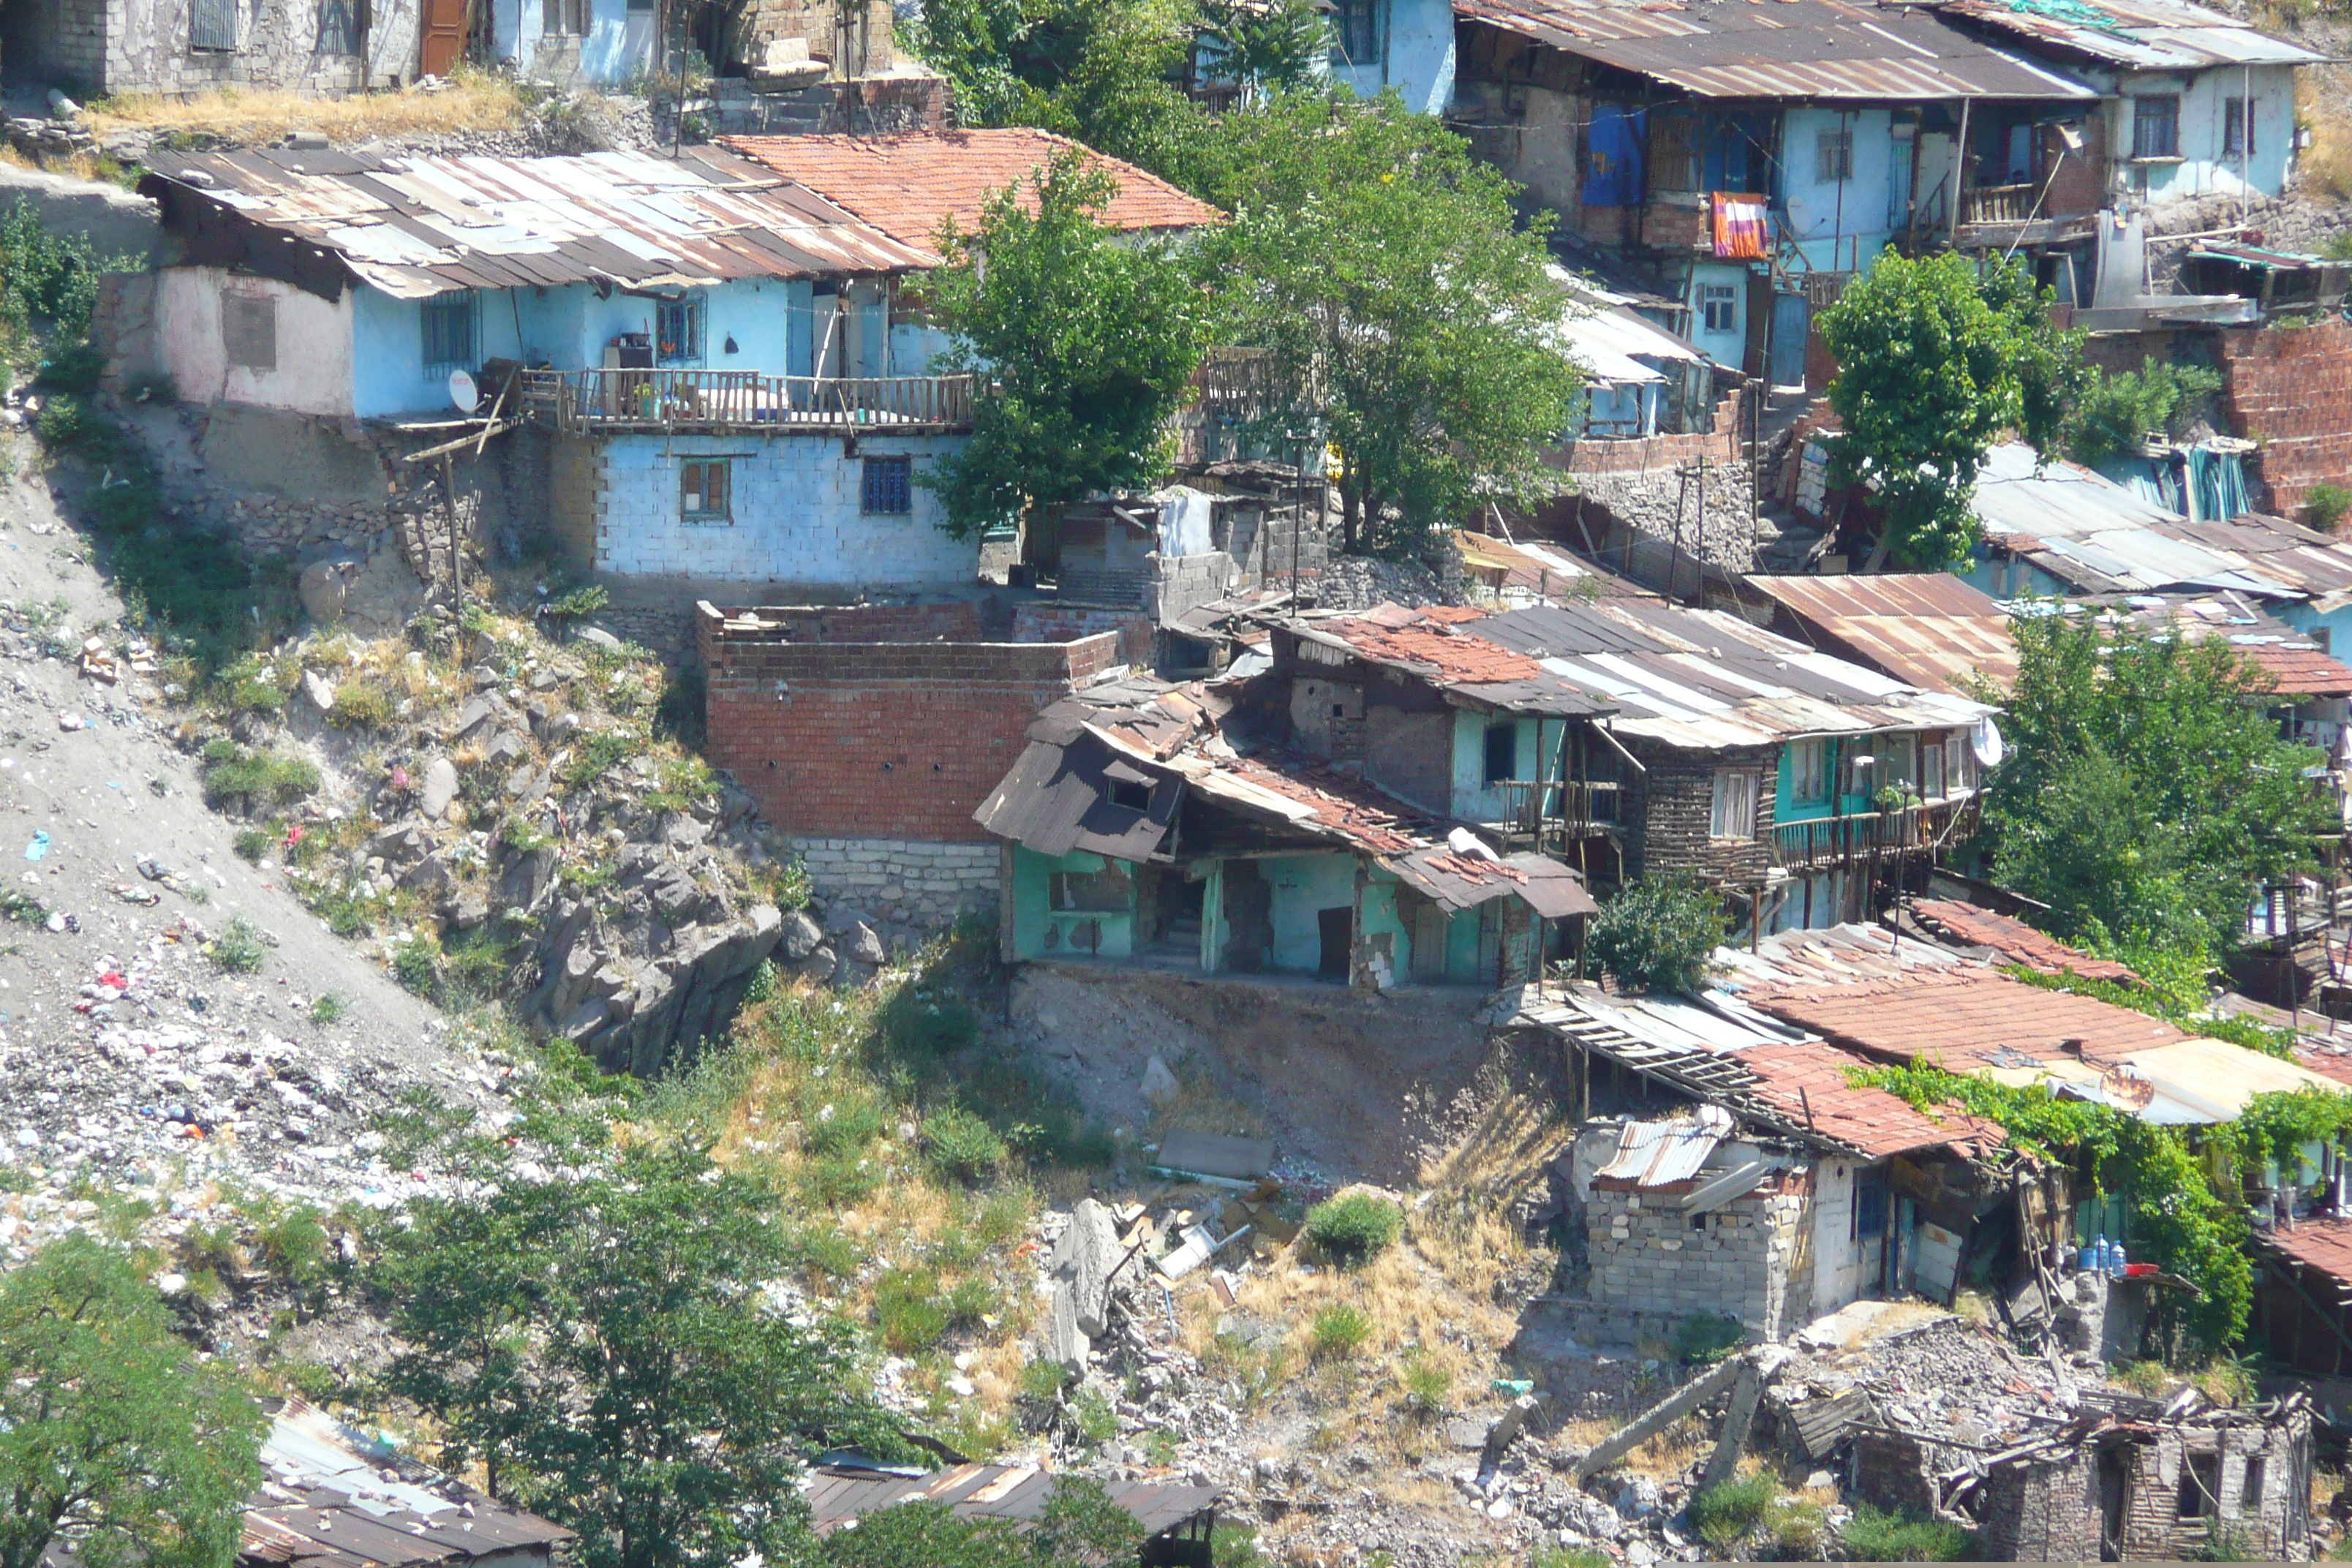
130, 1060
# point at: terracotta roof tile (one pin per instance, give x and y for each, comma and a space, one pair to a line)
908, 185
2300, 671
1367, 818
1871, 1120
1966, 1019
2017, 941
1448, 655
2325, 1244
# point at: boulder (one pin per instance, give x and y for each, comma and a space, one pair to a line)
318, 691
325, 588
598, 637
467, 908
439, 789
428, 875
1160, 1085
527, 875
865, 945
473, 719
507, 748
802, 935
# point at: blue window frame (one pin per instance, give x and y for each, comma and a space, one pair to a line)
889, 485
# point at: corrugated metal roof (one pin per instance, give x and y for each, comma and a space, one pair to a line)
1611, 340
1929, 629
2016, 941
1454, 880
1822, 49
1018, 1493
2298, 665
335, 1498
2097, 535
414, 225
1659, 1153
1964, 1018
2145, 35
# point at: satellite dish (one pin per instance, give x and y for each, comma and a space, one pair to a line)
463, 393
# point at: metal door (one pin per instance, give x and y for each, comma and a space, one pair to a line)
443, 42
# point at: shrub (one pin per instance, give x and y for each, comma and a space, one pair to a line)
580, 602
2324, 504
1799, 1529
1354, 1228
1876, 1535
843, 1125
1340, 1330
602, 750
327, 1008
252, 843
417, 965
1426, 1384
361, 706
1705, 1338
1097, 1420
239, 949
970, 1302
1044, 1380
1723, 1514
294, 1246
963, 1146
2121, 408
233, 774
909, 1310
1658, 934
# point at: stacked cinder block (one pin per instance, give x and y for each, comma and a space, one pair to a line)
1648, 1255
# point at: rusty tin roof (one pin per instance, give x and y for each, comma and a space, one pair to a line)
414, 226
2144, 34
1928, 627
1821, 49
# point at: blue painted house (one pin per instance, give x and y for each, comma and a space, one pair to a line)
732, 379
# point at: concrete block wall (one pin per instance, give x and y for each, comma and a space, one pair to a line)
2289, 388
1647, 1255
795, 514
2043, 1511
908, 881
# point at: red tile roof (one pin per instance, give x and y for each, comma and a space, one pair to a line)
1871, 1120
1965, 1018
2017, 941
1349, 805
2300, 671
2325, 1244
908, 185
1431, 642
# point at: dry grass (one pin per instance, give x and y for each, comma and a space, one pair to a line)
470, 101
1504, 1151
1200, 1105
2324, 102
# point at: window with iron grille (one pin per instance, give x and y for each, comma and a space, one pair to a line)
250, 331
889, 485
703, 487
2156, 127
212, 25
2238, 127
568, 18
448, 332
1356, 33
678, 332
1833, 156
338, 28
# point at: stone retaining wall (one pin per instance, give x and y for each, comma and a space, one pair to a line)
904, 881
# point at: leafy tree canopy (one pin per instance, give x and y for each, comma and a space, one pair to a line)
603, 1345
2146, 794
1080, 1528
1658, 934
1385, 270
1089, 338
2120, 408
1936, 360
111, 1432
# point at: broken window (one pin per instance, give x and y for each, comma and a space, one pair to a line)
703, 486
1134, 796
1502, 752
212, 25
1104, 891
1808, 779
448, 327
1959, 762
1674, 152
889, 485
2201, 1485
1832, 156
2250, 1491
2237, 127
1931, 770
1733, 811
2156, 127
338, 28
1356, 33
567, 18
1719, 305
678, 332
250, 331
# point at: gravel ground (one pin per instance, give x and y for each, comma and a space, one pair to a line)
131, 1061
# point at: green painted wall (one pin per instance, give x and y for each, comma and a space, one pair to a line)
1304, 885
1538, 758
1034, 917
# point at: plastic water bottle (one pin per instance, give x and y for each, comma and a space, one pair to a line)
2089, 1259
2116, 1265
2104, 1255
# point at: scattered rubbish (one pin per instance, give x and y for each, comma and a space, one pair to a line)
38, 849
99, 662
132, 893
1215, 1157
72, 722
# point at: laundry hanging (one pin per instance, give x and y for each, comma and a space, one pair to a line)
1740, 227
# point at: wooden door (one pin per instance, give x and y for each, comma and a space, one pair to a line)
444, 41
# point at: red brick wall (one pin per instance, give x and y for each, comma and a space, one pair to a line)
1634, 454
879, 740
2291, 389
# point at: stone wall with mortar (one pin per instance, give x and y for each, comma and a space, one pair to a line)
904, 881
1747, 1257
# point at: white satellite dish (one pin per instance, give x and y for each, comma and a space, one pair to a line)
463, 393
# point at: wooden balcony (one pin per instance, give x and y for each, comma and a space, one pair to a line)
737, 402
1548, 813
1827, 841
1997, 204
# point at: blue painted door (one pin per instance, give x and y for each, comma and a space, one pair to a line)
1790, 320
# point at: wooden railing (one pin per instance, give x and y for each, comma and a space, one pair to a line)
1548, 812
1831, 840
1998, 204
581, 402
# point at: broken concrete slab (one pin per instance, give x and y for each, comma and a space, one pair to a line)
1084, 1257
1066, 1344
1658, 1417
1736, 1423
1214, 1154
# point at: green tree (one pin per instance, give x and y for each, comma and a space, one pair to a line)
1263, 45
2147, 794
1658, 934
620, 1361
1090, 339
1385, 271
111, 1432
1936, 360
1079, 1528
2118, 409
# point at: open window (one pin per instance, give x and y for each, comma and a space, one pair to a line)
2201, 1485
1502, 752
678, 332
